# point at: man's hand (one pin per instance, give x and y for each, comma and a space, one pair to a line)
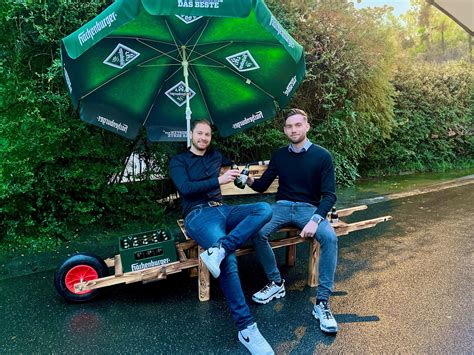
309, 230
228, 176
250, 180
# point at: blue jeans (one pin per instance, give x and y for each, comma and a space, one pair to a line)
231, 226
287, 213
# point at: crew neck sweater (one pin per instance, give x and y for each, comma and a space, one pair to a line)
302, 177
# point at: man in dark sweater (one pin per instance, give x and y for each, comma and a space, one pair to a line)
306, 193
218, 227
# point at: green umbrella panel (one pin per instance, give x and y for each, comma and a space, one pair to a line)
154, 63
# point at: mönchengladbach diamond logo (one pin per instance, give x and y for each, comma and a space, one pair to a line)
243, 61
178, 94
121, 56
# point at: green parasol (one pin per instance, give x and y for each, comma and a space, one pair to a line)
148, 62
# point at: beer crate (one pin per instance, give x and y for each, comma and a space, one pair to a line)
147, 249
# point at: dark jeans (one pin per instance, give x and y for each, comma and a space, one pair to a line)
231, 226
288, 213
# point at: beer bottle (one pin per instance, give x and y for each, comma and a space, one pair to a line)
237, 179
243, 177
334, 215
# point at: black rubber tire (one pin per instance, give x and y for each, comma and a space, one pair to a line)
90, 260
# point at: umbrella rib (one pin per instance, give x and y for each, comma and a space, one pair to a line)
139, 38
105, 83
208, 66
159, 65
169, 77
215, 50
239, 42
141, 65
152, 105
161, 52
238, 74
197, 41
157, 94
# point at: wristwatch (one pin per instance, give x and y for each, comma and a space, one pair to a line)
317, 218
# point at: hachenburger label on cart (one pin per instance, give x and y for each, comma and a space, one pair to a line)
149, 264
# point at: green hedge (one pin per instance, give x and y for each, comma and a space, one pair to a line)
434, 113
54, 169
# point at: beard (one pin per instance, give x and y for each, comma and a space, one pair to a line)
297, 139
200, 146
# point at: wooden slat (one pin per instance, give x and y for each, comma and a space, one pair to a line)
275, 244
348, 211
110, 262
204, 280
118, 266
135, 276
155, 275
181, 226
313, 259
232, 190
254, 170
193, 255
351, 227
291, 255
181, 255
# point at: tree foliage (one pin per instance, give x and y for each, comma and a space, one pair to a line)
54, 170
430, 35
434, 118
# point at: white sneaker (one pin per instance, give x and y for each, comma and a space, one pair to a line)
213, 257
254, 341
327, 323
269, 292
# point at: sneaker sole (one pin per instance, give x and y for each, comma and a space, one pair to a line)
214, 272
280, 294
321, 326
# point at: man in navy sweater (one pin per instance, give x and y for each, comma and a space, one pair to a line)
218, 227
306, 193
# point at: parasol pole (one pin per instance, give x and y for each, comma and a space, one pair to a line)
188, 106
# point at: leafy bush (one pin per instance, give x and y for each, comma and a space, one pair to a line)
434, 120
54, 169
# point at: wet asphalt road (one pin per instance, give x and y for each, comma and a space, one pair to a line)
403, 286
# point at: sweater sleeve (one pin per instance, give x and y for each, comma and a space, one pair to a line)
328, 187
185, 186
262, 184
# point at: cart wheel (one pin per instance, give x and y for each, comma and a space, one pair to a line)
79, 267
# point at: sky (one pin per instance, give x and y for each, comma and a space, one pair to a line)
400, 6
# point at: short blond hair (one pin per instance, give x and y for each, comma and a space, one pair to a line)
296, 111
